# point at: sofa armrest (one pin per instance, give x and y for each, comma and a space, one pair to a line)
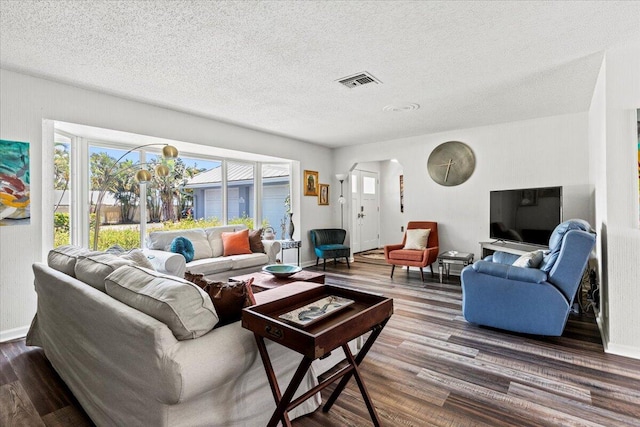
272, 249
166, 262
389, 248
505, 271
431, 254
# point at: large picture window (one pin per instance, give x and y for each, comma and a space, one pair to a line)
114, 197
276, 200
98, 198
240, 191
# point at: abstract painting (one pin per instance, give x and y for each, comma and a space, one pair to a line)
15, 198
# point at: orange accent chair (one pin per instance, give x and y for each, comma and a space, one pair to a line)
396, 255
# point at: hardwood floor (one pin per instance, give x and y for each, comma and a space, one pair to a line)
428, 368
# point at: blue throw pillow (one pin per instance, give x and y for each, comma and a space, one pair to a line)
184, 247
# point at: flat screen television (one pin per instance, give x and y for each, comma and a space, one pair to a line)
526, 215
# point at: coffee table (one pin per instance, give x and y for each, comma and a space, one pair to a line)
263, 281
367, 313
445, 259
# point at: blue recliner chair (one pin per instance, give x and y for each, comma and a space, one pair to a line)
329, 243
529, 300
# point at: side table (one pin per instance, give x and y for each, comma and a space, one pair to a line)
367, 313
445, 259
290, 244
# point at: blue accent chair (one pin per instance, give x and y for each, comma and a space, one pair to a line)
329, 243
529, 300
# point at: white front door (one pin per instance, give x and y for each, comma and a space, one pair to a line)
366, 211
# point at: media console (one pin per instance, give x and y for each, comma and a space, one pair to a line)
487, 248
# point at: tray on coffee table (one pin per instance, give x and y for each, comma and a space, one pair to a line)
364, 313
316, 339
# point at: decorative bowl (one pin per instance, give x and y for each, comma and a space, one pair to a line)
281, 270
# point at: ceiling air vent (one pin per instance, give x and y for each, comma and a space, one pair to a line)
358, 80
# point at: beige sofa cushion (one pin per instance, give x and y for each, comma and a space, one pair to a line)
214, 234
162, 240
185, 308
64, 258
248, 260
94, 269
210, 265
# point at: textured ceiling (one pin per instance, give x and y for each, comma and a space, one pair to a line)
273, 66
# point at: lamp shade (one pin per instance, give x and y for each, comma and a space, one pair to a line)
341, 177
162, 170
170, 152
143, 175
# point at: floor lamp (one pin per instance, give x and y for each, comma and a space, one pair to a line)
143, 176
341, 177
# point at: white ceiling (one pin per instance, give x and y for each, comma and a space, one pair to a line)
273, 66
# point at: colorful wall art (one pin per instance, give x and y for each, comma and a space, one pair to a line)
15, 198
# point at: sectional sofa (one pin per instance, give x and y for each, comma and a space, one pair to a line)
139, 347
208, 253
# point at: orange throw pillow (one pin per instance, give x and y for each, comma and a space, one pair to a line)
236, 243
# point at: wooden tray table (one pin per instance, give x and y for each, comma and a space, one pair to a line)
369, 312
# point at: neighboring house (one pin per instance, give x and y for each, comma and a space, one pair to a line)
207, 197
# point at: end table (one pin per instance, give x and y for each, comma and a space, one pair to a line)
445, 259
290, 244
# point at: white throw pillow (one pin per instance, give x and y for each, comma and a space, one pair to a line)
138, 257
181, 305
529, 260
417, 239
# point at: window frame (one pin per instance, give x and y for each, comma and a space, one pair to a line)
79, 181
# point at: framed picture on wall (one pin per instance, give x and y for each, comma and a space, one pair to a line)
310, 182
15, 203
323, 196
401, 193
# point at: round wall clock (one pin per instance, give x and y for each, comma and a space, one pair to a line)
451, 163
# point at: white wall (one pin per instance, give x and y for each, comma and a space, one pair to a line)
534, 153
621, 261
598, 179
26, 101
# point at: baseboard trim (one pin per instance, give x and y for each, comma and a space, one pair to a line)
12, 334
623, 350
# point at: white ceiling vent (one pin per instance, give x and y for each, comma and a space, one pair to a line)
359, 79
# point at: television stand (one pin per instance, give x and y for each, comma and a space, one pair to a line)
488, 248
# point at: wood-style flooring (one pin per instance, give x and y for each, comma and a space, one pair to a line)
428, 368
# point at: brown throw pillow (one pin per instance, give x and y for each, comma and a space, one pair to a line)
198, 279
228, 298
255, 241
